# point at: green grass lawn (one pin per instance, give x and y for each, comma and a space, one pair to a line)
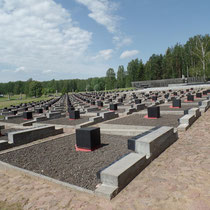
15, 100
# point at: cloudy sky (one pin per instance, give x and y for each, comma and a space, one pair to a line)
66, 39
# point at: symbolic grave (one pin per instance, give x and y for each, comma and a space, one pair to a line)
88, 139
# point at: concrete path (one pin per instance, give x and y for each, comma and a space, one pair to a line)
178, 179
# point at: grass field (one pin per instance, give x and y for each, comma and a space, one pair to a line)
15, 100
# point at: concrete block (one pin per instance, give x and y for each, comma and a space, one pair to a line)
53, 115
97, 119
4, 145
40, 118
153, 143
123, 171
32, 134
13, 117
183, 127
195, 111
106, 191
108, 115
187, 119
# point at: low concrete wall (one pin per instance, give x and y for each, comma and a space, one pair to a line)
118, 175
32, 134
147, 147
153, 143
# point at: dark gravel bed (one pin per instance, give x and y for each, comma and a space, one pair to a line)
137, 119
196, 100
66, 121
120, 110
58, 159
184, 107
16, 120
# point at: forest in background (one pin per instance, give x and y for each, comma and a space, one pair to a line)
191, 59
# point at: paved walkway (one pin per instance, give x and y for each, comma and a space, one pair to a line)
178, 179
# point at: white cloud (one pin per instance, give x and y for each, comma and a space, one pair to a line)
47, 71
122, 41
20, 69
39, 34
128, 54
102, 12
105, 54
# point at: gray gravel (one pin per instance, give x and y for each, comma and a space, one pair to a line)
58, 159
66, 121
137, 119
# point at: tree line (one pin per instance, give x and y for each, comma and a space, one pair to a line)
191, 59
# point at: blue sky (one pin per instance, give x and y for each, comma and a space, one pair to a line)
66, 39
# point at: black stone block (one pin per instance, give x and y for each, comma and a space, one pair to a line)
113, 106
100, 103
75, 114
176, 103
166, 95
27, 115
93, 102
198, 95
153, 111
120, 100
154, 98
88, 138
71, 108
137, 101
14, 112
190, 97
204, 92
39, 110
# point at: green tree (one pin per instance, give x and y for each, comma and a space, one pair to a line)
121, 77
35, 89
110, 79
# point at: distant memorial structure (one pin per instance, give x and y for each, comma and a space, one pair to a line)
167, 82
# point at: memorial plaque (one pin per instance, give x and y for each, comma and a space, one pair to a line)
176, 103
88, 138
74, 114
190, 97
100, 103
198, 95
137, 101
153, 112
27, 115
120, 100
39, 110
113, 107
93, 103
154, 98
14, 112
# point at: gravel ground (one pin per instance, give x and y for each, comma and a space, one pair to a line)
16, 120
196, 100
184, 107
58, 159
66, 121
137, 119
120, 110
